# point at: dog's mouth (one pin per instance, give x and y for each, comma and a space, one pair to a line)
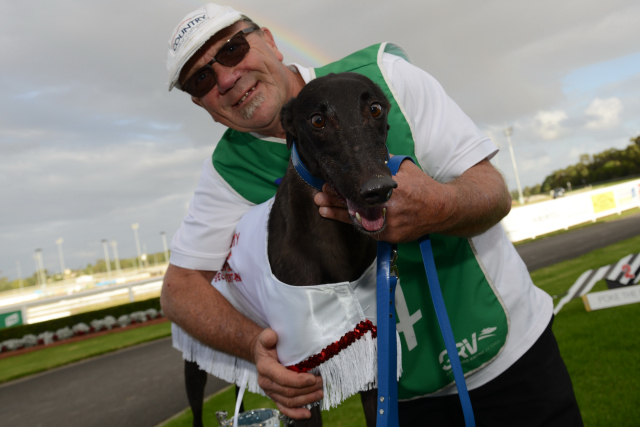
370, 219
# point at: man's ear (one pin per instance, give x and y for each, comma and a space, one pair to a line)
286, 121
268, 37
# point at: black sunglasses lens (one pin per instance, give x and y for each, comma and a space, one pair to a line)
233, 51
201, 82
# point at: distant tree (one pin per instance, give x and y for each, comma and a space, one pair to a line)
585, 159
609, 164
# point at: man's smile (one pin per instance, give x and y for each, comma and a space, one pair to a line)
245, 95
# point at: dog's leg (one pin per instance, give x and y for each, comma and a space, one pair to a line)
195, 380
369, 405
314, 421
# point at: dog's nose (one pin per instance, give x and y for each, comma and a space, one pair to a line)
377, 190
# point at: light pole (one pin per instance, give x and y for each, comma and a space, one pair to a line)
508, 132
144, 255
164, 246
59, 243
35, 258
41, 274
114, 246
107, 261
19, 274
135, 227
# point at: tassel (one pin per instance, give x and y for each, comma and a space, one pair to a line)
224, 366
352, 370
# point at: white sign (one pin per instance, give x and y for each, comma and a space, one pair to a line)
12, 319
611, 298
625, 272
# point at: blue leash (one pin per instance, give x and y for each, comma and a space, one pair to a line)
387, 357
387, 279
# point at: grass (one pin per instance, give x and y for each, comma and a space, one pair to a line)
601, 350
47, 358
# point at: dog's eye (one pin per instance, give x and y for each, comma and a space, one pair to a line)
317, 121
375, 109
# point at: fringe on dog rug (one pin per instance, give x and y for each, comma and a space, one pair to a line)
345, 370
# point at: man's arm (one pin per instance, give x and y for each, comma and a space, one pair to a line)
189, 300
467, 206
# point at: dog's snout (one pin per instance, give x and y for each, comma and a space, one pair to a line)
377, 190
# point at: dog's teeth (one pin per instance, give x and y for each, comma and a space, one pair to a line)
384, 213
358, 217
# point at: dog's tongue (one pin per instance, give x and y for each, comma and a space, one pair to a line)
372, 219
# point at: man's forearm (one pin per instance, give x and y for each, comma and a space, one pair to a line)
189, 300
481, 201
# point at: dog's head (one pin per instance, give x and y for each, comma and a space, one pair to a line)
339, 125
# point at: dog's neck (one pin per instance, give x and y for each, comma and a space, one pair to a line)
307, 249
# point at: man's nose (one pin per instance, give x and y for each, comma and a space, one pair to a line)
226, 77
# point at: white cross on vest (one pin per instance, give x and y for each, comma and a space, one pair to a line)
406, 320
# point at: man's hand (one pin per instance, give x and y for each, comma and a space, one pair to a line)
290, 390
466, 206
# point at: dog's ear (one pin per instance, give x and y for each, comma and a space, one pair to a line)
286, 120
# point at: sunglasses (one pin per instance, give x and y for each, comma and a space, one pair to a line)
230, 54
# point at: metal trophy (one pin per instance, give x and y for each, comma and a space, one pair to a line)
252, 418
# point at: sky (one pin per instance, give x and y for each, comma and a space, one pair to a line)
92, 142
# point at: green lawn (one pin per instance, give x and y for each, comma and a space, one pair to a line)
600, 349
47, 358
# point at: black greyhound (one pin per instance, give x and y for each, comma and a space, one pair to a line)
339, 126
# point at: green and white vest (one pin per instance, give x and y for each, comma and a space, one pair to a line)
478, 317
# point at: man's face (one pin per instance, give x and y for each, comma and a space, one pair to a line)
249, 96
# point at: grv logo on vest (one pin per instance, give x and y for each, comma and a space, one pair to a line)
183, 31
468, 351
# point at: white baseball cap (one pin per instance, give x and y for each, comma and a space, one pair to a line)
193, 31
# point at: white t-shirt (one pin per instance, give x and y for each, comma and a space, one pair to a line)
447, 143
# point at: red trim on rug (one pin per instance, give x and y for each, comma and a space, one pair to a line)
332, 349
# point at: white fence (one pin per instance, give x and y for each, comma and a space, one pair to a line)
62, 306
528, 222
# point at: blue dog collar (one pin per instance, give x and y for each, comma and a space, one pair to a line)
306, 176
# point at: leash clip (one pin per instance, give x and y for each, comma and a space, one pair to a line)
393, 268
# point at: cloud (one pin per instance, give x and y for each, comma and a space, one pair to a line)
536, 163
606, 113
547, 124
31, 94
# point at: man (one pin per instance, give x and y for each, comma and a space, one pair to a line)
233, 69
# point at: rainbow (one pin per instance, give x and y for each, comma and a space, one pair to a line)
292, 46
